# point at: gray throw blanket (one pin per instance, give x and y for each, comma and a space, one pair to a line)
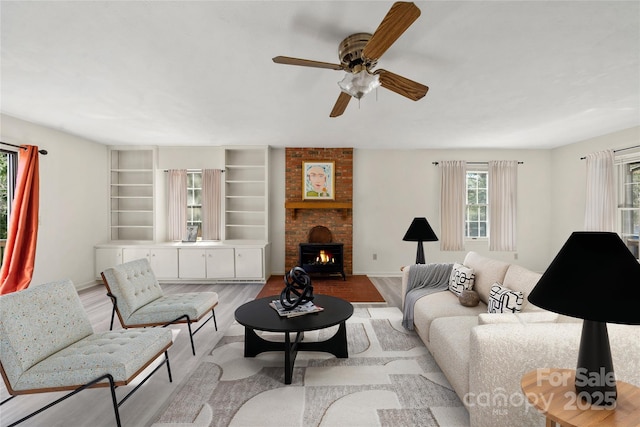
424, 279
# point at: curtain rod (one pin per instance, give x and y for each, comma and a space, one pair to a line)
43, 152
475, 163
619, 149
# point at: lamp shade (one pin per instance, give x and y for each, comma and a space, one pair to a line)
593, 277
420, 231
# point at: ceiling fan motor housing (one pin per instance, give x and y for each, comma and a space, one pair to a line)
350, 53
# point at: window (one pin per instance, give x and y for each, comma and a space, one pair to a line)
8, 172
629, 201
476, 219
194, 199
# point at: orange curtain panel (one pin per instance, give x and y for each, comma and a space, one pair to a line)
20, 251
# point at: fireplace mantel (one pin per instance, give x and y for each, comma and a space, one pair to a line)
294, 206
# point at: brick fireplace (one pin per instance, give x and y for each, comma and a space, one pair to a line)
336, 215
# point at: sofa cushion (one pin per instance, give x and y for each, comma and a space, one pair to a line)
487, 272
504, 300
531, 317
520, 279
440, 304
461, 278
450, 338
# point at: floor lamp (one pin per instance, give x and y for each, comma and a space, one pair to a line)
420, 231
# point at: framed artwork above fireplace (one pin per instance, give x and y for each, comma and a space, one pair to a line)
318, 180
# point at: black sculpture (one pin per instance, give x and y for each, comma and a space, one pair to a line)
298, 289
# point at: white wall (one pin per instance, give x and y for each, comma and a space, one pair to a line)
568, 193
391, 187
73, 201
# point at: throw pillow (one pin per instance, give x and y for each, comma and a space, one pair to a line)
504, 300
461, 278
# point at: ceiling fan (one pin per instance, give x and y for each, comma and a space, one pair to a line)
359, 53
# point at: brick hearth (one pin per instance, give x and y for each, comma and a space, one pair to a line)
339, 221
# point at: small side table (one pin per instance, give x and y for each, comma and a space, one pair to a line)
552, 392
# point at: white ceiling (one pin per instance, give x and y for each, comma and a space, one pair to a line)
519, 74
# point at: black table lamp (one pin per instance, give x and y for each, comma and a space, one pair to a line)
596, 278
420, 231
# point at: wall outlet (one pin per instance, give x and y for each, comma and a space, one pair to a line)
375, 257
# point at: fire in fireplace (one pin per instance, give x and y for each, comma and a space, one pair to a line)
320, 254
324, 258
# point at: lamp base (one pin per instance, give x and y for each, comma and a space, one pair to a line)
420, 254
595, 380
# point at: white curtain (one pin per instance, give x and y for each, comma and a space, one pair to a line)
211, 204
503, 192
177, 218
600, 213
453, 187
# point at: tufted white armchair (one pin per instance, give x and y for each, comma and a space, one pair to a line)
139, 301
47, 344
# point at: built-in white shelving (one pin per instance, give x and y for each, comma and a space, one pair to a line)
246, 193
131, 194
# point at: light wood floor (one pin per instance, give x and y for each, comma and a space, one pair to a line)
93, 408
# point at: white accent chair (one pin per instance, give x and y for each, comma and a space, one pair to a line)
47, 344
139, 301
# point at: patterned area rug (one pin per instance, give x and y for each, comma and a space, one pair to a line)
389, 379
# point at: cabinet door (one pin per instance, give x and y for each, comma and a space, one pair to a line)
106, 258
132, 254
220, 263
249, 263
164, 262
191, 264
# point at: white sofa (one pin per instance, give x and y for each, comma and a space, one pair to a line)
485, 355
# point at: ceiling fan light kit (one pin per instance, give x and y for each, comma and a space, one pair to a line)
359, 84
359, 54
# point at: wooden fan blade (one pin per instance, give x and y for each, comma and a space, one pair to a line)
402, 85
398, 19
341, 104
306, 63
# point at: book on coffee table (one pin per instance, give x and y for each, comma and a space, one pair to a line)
300, 310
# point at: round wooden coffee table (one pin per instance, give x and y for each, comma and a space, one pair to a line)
257, 315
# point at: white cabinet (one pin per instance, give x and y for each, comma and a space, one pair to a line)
248, 263
183, 262
163, 261
220, 263
192, 264
131, 254
131, 194
246, 193
106, 258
